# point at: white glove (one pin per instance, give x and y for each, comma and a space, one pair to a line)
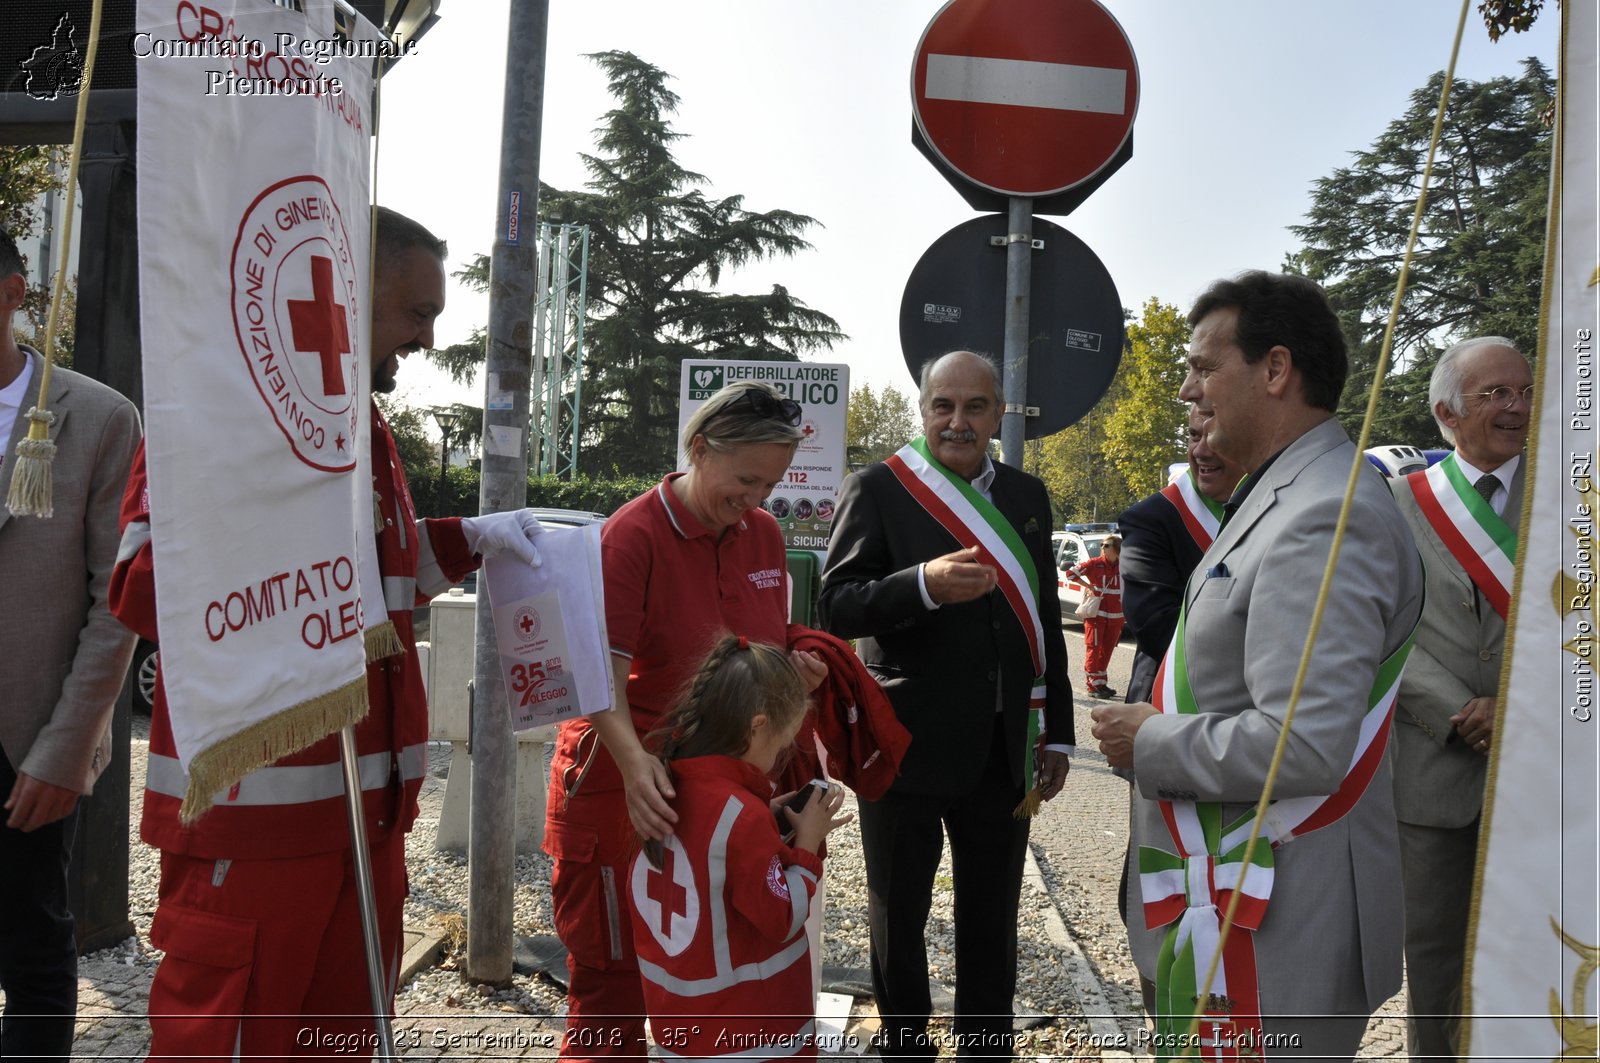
514, 531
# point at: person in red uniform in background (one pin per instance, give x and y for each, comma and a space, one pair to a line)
1101, 632
719, 908
258, 910
688, 560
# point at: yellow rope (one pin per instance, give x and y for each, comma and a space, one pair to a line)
31, 493
1191, 1042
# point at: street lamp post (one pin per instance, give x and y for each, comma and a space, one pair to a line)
446, 420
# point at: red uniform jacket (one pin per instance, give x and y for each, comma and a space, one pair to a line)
720, 927
295, 806
1105, 578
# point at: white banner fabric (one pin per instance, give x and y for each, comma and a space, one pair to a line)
253, 220
1535, 943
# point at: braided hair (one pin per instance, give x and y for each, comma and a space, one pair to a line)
737, 680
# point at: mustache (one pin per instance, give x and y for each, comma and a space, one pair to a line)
951, 435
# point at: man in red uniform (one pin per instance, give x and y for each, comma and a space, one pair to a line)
258, 910
1101, 631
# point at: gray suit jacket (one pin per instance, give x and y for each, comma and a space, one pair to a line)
63, 656
1439, 779
1331, 939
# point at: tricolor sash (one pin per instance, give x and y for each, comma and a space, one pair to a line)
975, 521
1191, 888
1200, 514
1477, 537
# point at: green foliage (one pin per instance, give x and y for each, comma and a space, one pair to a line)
463, 360
1145, 427
25, 174
1478, 263
1083, 483
28, 171
877, 425
1515, 16
593, 493
657, 248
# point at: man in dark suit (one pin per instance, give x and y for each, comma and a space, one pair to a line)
1464, 513
62, 664
1163, 537
939, 567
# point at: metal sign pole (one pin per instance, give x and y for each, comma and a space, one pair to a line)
362, 857
1019, 278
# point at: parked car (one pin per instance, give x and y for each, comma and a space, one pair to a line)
145, 658
1075, 544
1395, 461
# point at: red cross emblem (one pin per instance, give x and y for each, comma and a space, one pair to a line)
526, 624
319, 326
673, 898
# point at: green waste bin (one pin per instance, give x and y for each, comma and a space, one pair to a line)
805, 575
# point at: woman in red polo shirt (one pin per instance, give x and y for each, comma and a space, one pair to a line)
690, 559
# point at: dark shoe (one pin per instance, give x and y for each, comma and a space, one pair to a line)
1103, 691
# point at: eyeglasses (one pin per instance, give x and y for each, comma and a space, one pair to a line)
1504, 397
764, 405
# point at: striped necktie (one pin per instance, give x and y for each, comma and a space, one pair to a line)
1486, 486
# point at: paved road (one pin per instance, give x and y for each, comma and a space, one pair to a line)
1078, 844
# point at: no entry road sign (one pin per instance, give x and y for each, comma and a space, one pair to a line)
1025, 97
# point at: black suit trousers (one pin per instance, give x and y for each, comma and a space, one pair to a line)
38, 950
902, 838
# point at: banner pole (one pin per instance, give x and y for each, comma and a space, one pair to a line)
369, 912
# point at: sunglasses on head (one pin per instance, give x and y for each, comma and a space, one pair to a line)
763, 404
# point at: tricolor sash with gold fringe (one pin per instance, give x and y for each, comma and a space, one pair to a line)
1477, 537
975, 521
1201, 516
1191, 888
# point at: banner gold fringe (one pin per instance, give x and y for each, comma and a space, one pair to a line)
225, 763
1031, 803
382, 641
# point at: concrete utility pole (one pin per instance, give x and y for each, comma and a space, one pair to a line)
504, 486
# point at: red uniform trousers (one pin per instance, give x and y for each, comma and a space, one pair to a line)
1100, 636
593, 844
265, 958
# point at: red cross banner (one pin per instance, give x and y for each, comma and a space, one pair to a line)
1533, 963
255, 122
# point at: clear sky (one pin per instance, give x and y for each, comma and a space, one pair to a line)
806, 107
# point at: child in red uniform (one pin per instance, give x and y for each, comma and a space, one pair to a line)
719, 908
1103, 574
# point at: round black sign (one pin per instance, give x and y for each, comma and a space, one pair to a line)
955, 300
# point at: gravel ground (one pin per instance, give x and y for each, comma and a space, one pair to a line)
1077, 985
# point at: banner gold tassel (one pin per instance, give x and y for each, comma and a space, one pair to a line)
220, 766
31, 484
1031, 803
30, 494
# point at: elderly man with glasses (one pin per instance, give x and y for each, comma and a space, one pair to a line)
1464, 514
